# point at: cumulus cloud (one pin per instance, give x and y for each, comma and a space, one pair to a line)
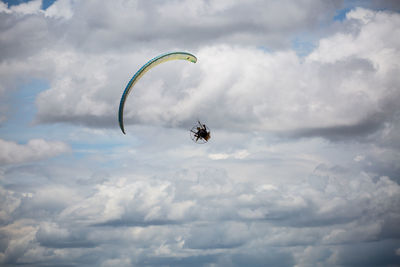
130, 25
123, 24
24, 8
69, 31
241, 154
344, 88
210, 218
35, 149
281, 200
60, 9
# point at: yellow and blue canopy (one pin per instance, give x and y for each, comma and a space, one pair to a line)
152, 63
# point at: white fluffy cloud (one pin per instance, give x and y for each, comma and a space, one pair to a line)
70, 35
346, 86
60, 9
24, 8
35, 149
343, 87
207, 214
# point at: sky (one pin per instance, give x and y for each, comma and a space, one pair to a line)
303, 164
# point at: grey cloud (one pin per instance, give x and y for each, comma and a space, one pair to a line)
196, 260
45, 202
126, 27
35, 149
380, 253
335, 206
51, 236
271, 257
359, 131
24, 35
255, 90
136, 222
338, 97
151, 23
260, 258
224, 235
379, 4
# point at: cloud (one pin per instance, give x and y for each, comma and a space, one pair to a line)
292, 200
60, 9
243, 87
22, 238
348, 93
255, 89
4, 7
152, 24
35, 149
123, 25
241, 154
266, 189
22, 37
50, 235
24, 8
210, 218
105, 33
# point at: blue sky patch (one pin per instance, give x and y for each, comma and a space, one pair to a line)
45, 3
302, 47
341, 14
22, 109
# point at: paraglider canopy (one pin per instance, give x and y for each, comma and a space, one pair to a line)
152, 63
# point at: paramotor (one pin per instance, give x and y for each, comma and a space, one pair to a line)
200, 133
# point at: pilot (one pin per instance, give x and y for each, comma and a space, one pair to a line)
202, 133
